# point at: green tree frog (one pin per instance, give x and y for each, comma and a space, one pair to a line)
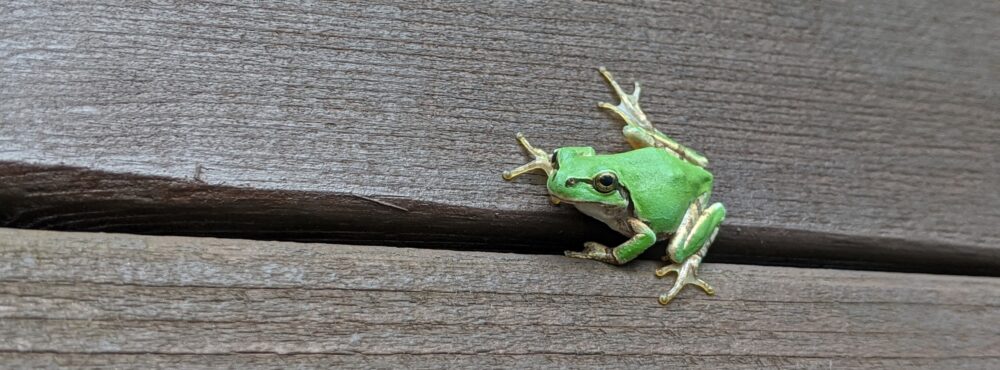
657, 191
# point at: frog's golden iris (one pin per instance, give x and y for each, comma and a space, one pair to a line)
605, 182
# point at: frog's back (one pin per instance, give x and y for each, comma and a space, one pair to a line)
661, 186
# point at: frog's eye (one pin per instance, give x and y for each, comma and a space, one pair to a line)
555, 159
605, 182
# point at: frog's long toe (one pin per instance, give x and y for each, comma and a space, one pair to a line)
665, 270
541, 161
686, 274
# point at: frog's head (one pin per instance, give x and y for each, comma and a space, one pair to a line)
581, 177
575, 175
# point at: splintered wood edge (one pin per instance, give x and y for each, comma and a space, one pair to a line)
82, 299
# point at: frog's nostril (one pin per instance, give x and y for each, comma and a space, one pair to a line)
570, 182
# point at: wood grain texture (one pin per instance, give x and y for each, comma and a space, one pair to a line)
851, 130
81, 299
437, 361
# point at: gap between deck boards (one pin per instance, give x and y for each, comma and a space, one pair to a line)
74, 199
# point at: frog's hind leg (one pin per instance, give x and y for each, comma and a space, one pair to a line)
639, 138
690, 243
639, 132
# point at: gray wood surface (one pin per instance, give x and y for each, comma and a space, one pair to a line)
87, 299
857, 130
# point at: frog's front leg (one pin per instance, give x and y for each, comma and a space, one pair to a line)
541, 161
689, 245
643, 238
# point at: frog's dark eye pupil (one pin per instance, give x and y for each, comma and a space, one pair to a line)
607, 180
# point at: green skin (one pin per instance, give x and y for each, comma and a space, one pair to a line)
659, 187
658, 191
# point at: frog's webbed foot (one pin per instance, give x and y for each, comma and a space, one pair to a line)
595, 251
628, 107
542, 161
638, 131
687, 273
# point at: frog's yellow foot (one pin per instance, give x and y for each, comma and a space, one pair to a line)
687, 273
542, 161
628, 106
638, 131
594, 251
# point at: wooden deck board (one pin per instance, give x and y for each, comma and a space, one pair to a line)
851, 130
82, 299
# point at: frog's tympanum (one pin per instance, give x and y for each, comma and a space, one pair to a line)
657, 191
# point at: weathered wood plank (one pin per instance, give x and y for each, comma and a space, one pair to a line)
326, 361
394, 361
856, 130
79, 299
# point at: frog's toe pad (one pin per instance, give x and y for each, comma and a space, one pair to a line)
704, 286
686, 275
666, 270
